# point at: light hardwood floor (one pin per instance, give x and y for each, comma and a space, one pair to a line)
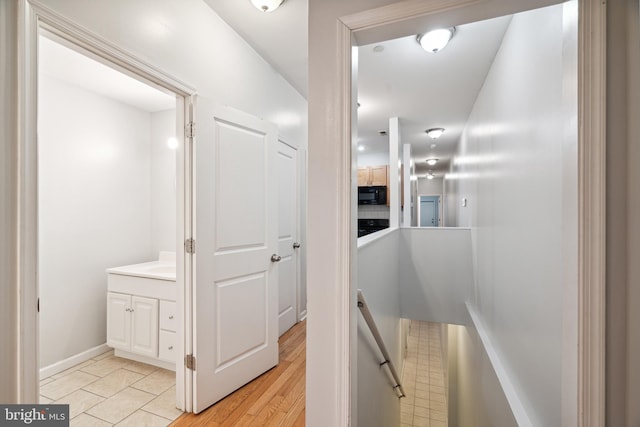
276, 398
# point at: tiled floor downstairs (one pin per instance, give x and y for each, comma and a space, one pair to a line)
111, 391
425, 404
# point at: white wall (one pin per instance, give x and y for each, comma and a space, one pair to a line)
471, 372
451, 201
373, 159
163, 182
94, 210
623, 211
519, 177
378, 281
435, 277
430, 186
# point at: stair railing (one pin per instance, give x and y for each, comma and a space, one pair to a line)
364, 309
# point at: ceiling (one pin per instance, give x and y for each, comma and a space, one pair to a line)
397, 78
280, 37
423, 90
65, 64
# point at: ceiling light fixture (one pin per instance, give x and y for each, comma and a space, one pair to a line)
435, 133
432, 162
267, 5
434, 41
360, 147
430, 175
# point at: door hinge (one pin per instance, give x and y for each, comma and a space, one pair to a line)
190, 362
190, 246
190, 129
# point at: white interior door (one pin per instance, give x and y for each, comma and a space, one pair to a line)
287, 236
235, 295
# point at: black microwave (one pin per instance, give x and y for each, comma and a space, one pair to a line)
376, 195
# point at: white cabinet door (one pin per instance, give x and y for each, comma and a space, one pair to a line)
287, 236
166, 346
144, 326
118, 320
235, 295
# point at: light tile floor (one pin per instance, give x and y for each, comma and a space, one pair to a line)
423, 378
111, 391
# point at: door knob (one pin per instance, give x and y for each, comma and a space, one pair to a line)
275, 258
296, 245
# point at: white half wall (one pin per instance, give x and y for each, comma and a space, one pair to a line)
436, 276
378, 404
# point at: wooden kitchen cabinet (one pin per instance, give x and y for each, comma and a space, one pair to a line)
373, 176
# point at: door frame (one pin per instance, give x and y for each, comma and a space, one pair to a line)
359, 29
440, 213
34, 18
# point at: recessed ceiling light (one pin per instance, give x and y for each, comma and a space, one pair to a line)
267, 5
434, 41
432, 162
435, 133
360, 147
434, 145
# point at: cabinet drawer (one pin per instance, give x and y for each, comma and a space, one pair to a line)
168, 315
166, 346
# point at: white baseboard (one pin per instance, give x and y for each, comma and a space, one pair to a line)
302, 315
69, 362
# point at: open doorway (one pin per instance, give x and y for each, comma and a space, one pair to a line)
110, 258
475, 100
429, 210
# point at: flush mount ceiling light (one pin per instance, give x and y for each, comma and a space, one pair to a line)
360, 147
435, 133
267, 5
434, 41
430, 175
432, 162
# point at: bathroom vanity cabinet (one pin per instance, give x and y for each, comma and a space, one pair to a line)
139, 326
132, 323
141, 313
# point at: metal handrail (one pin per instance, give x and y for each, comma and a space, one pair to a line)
364, 309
